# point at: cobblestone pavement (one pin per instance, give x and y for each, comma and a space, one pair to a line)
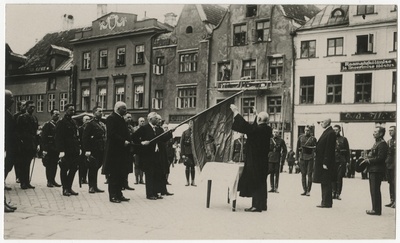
43, 213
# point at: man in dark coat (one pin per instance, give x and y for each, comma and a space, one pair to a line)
93, 141
131, 129
19, 156
276, 159
116, 157
67, 143
50, 153
187, 154
11, 148
342, 158
391, 166
325, 163
150, 155
27, 125
253, 181
376, 164
83, 168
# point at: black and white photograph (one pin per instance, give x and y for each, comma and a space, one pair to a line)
200, 121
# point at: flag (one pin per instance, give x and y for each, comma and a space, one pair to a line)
212, 136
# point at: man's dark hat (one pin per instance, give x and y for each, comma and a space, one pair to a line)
361, 167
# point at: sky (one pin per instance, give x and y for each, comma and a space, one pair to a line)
28, 23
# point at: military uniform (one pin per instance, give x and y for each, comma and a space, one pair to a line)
83, 167
276, 158
305, 154
93, 141
391, 169
48, 144
342, 159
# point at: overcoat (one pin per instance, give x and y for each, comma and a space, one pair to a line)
325, 155
116, 154
27, 126
67, 139
256, 160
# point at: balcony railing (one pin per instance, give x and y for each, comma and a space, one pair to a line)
249, 84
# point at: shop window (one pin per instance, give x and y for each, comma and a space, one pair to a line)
307, 90
239, 35
363, 88
334, 89
308, 49
335, 47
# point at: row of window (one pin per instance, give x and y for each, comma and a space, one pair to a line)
363, 88
335, 47
40, 101
120, 57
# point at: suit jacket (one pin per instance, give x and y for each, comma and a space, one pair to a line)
325, 155
391, 155
148, 156
116, 154
378, 156
256, 161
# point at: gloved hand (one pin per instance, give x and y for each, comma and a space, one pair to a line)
62, 154
87, 154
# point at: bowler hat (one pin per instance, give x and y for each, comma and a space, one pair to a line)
360, 166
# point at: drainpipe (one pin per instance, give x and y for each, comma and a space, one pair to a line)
293, 34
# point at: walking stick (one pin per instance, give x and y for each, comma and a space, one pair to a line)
33, 166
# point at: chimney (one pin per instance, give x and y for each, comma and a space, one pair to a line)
170, 19
67, 22
101, 10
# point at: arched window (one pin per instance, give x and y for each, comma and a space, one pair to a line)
189, 30
338, 12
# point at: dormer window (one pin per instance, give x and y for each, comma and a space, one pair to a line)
337, 13
189, 30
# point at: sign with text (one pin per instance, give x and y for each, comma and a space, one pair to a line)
381, 116
368, 65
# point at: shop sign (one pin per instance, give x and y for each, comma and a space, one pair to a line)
382, 116
368, 65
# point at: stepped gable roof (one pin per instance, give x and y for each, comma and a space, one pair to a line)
38, 54
213, 13
300, 13
331, 15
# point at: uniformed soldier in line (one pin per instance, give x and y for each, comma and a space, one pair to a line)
67, 143
93, 141
138, 170
27, 125
391, 166
131, 129
18, 159
83, 168
276, 157
342, 160
305, 155
50, 153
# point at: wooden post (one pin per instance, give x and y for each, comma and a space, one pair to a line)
208, 193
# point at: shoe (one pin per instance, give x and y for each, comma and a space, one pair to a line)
187, 184
307, 194
9, 206
91, 190
73, 193
389, 205
141, 182
252, 209
24, 186
124, 199
393, 205
152, 198
276, 191
168, 183
338, 197
159, 197
272, 190
8, 210
115, 200
167, 194
7, 188
49, 184
84, 181
30, 186
323, 206
304, 193
98, 190
136, 183
193, 184
106, 182
265, 208
66, 193
129, 188
56, 184
123, 188
17, 180
372, 212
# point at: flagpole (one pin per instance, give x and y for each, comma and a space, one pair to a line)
191, 118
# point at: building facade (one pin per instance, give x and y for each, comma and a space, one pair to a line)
252, 49
113, 63
346, 70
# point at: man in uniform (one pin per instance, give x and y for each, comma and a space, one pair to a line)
276, 157
27, 125
342, 160
67, 143
83, 169
391, 167
138, 170
50, 153
18, 159
131, 129
305, 157
93, 141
